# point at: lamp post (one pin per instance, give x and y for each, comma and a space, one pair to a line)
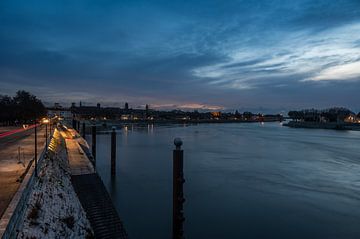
46, 121
35, 158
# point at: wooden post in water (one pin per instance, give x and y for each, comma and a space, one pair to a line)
83, 130
74, 123
50, 127
78, 126
93, 143
178, 194
113, 152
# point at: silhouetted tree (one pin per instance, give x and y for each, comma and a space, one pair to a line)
6, 113
22, 108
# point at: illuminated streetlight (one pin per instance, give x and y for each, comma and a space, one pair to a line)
35, 158
46, 121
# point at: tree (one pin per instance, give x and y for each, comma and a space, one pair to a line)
6, 112
23, 107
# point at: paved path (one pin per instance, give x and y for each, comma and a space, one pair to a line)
79, 163
10, 167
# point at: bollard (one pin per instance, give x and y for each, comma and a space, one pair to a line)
19, 155
178, 194
93, 144
113, 152
83, 130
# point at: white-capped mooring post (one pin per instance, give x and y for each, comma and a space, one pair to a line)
178, 194
113, 152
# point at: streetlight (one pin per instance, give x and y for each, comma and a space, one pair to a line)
46, 121
35, 158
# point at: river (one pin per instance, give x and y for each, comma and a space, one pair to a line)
242, 181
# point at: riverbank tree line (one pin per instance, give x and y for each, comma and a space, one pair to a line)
337, 114
20, 109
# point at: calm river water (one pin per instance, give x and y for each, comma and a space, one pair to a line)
242, 181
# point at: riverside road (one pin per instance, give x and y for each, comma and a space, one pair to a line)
16, 151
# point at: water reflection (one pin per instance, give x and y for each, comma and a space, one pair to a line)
150, 128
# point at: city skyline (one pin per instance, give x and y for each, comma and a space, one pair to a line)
275, 55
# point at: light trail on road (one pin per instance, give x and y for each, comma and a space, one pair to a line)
3, 135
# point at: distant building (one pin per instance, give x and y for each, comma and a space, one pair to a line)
216, 115
125, 117
126, 106
59, 112
57, 106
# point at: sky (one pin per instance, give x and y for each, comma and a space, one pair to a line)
264, 55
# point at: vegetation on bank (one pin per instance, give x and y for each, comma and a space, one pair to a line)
337, 115
22, 108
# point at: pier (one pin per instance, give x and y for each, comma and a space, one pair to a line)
91, 191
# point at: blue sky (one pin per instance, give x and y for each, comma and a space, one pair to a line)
270, 55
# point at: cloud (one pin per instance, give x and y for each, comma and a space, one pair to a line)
295, 55
211, 53
187, 106
349, 71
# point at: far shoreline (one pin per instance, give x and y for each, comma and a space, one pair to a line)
323, 125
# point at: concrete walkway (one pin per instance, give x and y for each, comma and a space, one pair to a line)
78, 162
91, 191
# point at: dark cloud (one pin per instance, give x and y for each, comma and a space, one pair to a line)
223, 53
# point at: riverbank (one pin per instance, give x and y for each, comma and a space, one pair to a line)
54, 209
319, 125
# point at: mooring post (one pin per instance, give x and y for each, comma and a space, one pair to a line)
93, 143
178, 194
113, 152
83, 130
74, 123
50, 127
